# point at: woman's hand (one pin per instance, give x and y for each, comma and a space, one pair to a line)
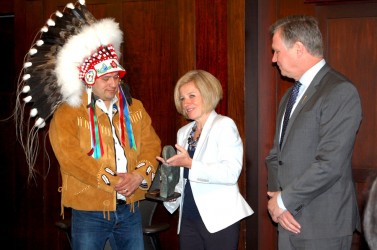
182, 159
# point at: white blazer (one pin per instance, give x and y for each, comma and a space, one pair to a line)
214, 174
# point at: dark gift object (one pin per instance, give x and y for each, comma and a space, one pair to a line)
169, 177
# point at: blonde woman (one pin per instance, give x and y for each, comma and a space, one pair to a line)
210, 154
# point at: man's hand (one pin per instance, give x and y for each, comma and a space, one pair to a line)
289, 223
281, 216
128, 183
273, 207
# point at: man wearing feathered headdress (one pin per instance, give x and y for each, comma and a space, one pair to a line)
103, 139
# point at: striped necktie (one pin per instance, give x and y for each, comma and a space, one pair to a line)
288, 110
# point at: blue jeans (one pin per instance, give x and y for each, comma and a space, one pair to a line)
90, 229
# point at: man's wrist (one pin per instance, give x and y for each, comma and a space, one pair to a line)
280, 202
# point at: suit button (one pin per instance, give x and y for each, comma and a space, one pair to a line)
280, 163
299, 208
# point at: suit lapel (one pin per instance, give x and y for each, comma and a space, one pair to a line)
310, 91
282, 108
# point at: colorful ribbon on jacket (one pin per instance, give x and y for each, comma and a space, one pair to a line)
97, 146
125, 116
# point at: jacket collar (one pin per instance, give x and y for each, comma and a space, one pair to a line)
205, 131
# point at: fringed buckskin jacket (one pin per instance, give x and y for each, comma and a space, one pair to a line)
88, 183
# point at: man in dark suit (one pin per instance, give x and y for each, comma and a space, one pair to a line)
310, 183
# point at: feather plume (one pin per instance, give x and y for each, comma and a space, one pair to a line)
50, 75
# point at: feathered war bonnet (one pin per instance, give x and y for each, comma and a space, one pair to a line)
68, 54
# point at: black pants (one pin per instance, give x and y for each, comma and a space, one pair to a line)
194, 235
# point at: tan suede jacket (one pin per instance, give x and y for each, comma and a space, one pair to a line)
84, 185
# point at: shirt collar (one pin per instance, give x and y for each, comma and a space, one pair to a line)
102, 106
309, 75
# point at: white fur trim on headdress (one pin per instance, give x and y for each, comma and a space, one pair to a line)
79, 47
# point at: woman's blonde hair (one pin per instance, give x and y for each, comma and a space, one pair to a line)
207, 84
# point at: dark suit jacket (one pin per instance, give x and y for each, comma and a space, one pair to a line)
313, 168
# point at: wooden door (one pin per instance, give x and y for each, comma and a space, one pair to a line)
350, 32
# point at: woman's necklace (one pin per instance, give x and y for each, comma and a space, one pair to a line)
191, 141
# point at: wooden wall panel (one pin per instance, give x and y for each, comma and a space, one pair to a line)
186, 42
6, 7
211, 42
150, 56
350, 34
235, 84
359, 65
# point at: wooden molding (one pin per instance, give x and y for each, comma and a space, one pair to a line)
323, 2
